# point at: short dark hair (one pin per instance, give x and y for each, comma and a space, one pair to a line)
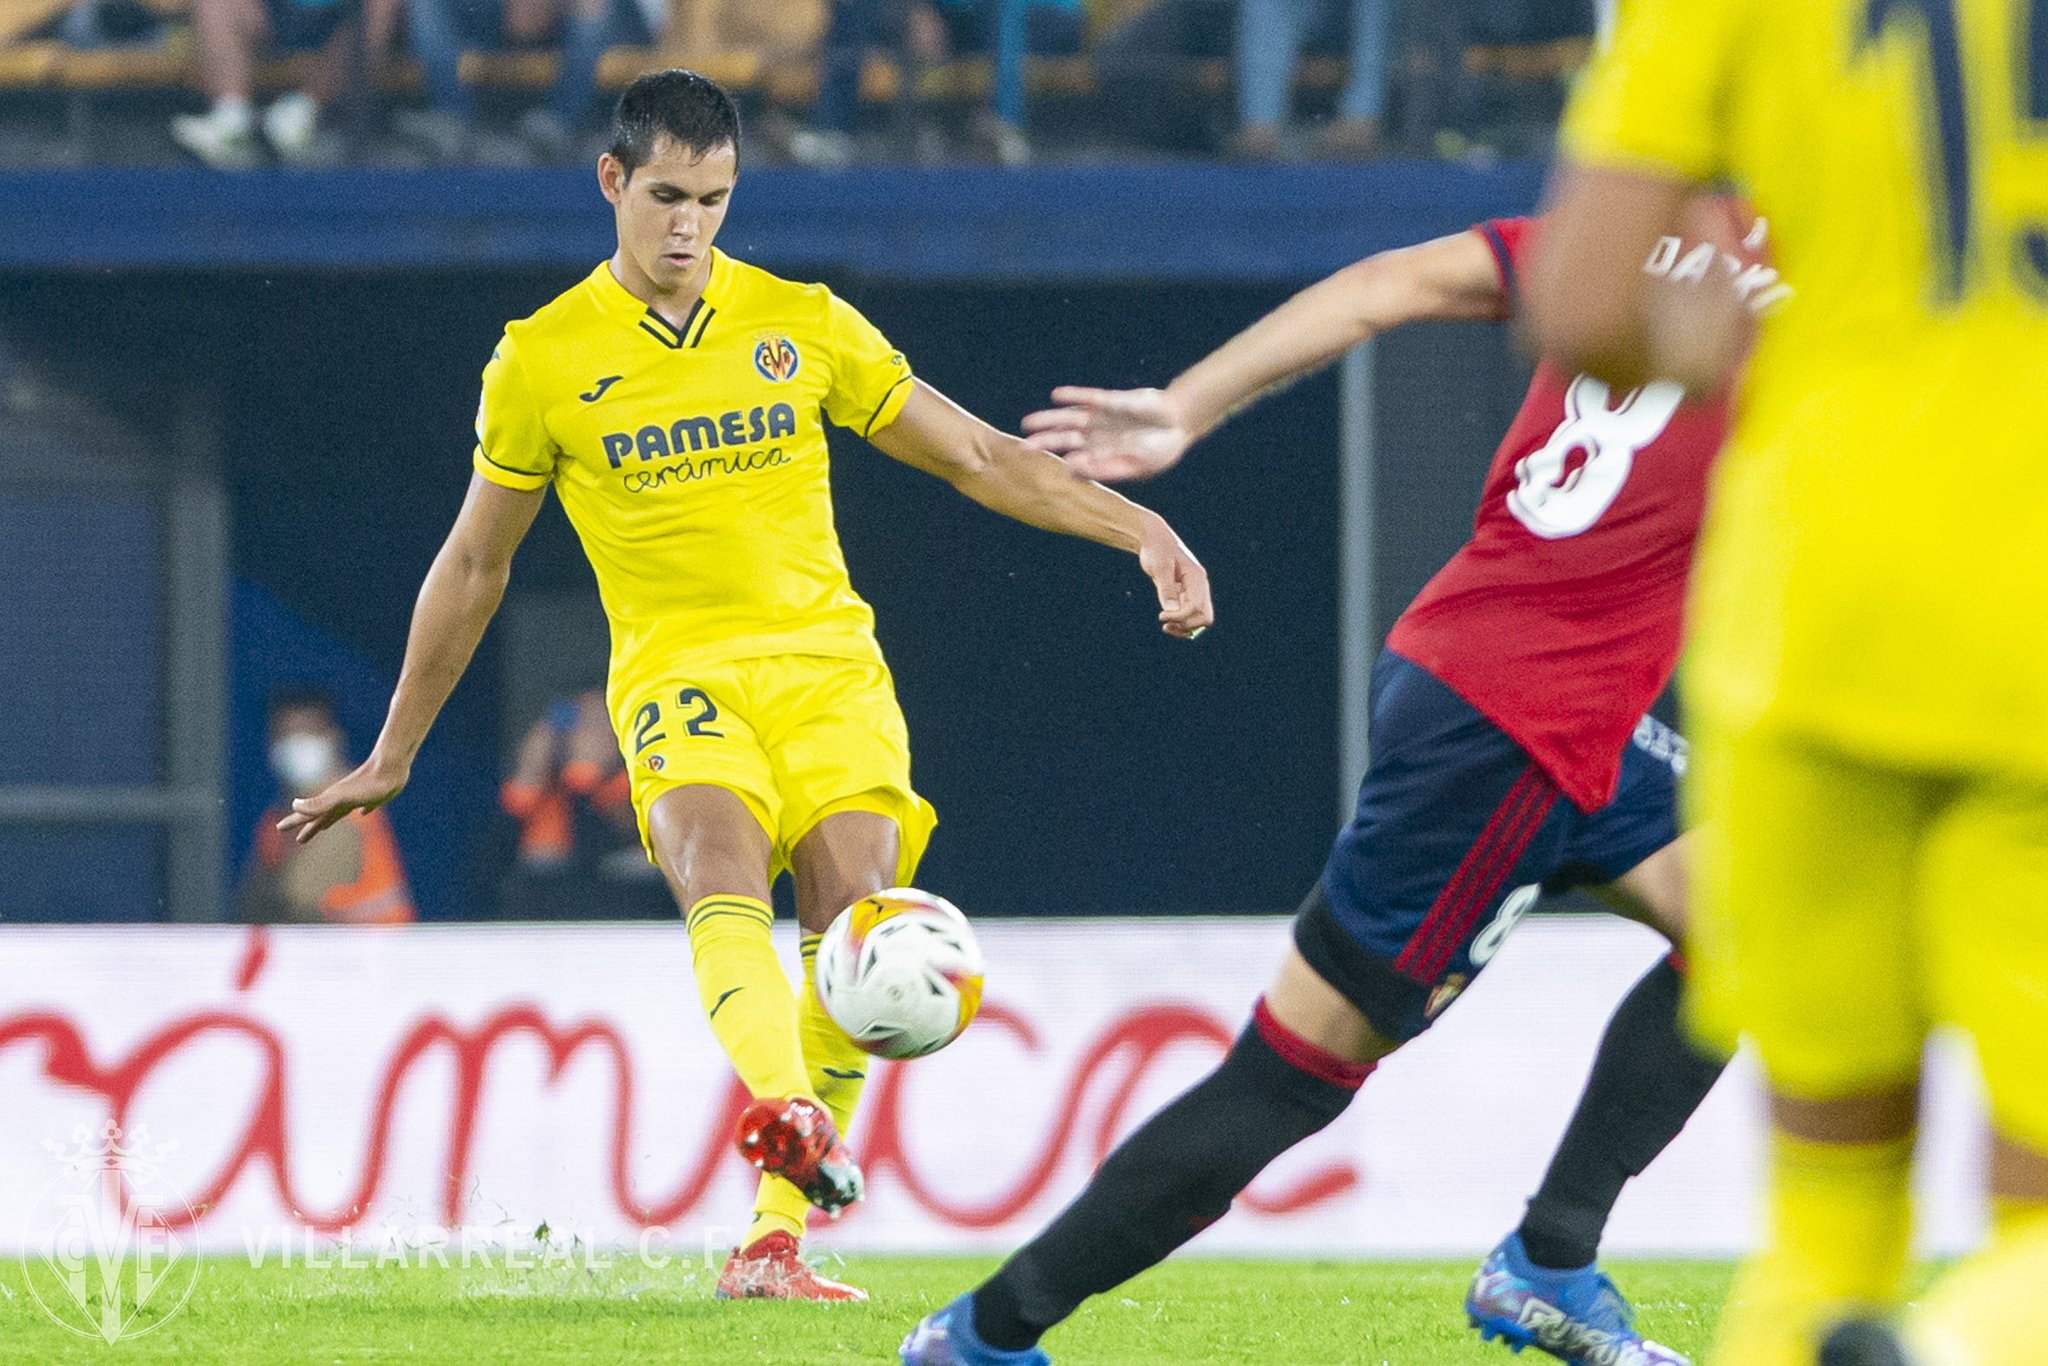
302, 697
693, 109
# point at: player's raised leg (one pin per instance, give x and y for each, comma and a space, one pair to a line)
1543, 1286
715, 853
1291, 1072
839, 757
846, 856
1455, 833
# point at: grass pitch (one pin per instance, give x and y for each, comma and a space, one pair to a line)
1191, 1311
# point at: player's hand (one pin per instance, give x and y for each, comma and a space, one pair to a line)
1185, 608
369, 787
1112, 434
1702, 328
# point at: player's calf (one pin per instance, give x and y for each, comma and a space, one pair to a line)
794, 1138
1169, 1180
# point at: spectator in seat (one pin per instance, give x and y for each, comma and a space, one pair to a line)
1009, 31
857, 28
781, 33
1271, 35
1144, 60
356, 880
928, 32
569, 765
233, 34
579, 852
439, 31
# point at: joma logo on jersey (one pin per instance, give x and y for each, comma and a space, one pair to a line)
777, 359
687, 434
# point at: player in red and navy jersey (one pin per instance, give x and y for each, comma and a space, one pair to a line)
1512, 755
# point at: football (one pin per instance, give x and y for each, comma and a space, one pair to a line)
900, 972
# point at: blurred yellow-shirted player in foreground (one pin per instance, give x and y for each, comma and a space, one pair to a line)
675, 399
1869, 669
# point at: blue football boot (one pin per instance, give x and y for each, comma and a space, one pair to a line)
1575, 1316
947, 1339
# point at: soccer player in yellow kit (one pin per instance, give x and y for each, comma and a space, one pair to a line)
1869, 671
675, 399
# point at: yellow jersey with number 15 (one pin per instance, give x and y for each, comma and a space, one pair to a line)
692, 462
1874, 570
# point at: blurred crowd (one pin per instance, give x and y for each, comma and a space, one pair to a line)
827, 83
567, 846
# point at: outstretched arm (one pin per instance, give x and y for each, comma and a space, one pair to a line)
1005, 475
461, 592
1135, 433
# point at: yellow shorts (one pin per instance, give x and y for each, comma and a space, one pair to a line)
796, 737
1844, 908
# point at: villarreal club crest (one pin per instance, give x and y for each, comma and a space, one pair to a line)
777, 359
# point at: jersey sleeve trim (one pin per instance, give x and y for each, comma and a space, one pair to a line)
1503, 262
524, 480
891, 404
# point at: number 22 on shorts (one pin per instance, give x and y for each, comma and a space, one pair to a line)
694, 708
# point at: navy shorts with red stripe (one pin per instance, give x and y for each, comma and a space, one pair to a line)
1457, 833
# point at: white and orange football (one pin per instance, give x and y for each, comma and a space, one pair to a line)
900, 972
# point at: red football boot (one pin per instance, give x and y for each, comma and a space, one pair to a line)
796, 1140
769, 1269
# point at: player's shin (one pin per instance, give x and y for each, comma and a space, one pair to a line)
1171, 1179
838, 1067
837, 1071
1840, 1220
1647, 1080
746, 994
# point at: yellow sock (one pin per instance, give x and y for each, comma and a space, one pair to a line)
1981, 1313
1841, 1215
837, 1070
746, 994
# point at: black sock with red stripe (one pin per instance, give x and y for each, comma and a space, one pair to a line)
1172, 1178
1647, 1080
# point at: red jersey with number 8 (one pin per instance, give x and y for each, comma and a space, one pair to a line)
1559, 619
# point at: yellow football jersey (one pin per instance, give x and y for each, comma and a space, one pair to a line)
1874, 571
692, 460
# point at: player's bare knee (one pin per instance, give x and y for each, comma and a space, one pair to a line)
1655, 891
1880, 1115
2019, 1171
845, 857
1310, 1007
706, 842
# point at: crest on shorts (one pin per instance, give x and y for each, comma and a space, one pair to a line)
777, 359
1445, 993
656, 763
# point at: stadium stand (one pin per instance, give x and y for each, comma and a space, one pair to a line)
62, 103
